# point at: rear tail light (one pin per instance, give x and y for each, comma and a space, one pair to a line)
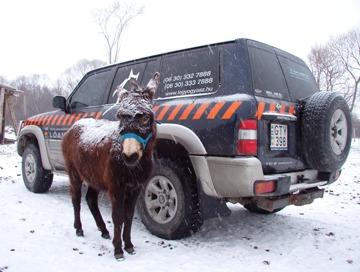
264, 186
247, 137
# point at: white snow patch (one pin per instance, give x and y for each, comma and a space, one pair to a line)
36, 232
93, 131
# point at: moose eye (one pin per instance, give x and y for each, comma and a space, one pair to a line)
145, 120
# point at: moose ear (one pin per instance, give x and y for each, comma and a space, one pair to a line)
121, 94
134, 87
153, 85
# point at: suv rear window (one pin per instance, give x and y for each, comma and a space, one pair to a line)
268, 78
299, 78
189, 73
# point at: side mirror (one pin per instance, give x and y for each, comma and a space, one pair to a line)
59, 102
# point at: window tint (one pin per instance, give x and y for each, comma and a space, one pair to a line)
136, 70
151, 67
299, 78
235, 69
92, 90
189, 73
268, 78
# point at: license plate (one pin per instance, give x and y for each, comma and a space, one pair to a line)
278, 137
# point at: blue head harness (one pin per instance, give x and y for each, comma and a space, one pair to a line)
143, 141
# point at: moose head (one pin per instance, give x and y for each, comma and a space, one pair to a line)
137, 123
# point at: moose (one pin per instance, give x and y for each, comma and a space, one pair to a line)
113, 156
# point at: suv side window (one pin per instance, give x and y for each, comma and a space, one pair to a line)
299, 78
235, 69
189, 73
268, 78
122, 74
92, 90
152, 66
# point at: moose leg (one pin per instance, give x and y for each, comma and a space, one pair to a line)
117, 201
130, 202
92, 201
75, 190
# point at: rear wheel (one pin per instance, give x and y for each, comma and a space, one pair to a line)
36, 178
168, 204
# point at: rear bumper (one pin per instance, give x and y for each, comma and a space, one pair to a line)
224, 177
304, 197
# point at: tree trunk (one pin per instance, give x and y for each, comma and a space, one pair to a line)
354, 95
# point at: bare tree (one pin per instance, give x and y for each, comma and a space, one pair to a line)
346, 47
71, 77
37, 96
324, 65
336, 65
112, 22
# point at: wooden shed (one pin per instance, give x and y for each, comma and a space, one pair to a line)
7, 100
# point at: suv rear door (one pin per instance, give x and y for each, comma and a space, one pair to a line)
278, 132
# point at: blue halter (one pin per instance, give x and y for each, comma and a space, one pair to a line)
138, 138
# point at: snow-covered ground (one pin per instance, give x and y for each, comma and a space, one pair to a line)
36, 233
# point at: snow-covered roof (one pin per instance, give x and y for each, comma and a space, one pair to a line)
10, 89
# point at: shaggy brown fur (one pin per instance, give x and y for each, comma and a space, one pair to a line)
100, 162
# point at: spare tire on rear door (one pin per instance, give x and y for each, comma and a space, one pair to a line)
326, 131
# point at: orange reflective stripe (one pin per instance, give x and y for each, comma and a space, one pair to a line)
215, 110
79, 116
49, 119
37, 119
292, 109
163, 112
201, 110
98, 115
54, 120
40, 121
71, 119
261, 108
282, 109
60, 120
155, 108
92, 114
272, 107
65, 119
46, 119
231, 110
187, 112
174, 112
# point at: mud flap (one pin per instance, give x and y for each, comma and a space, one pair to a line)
211, 207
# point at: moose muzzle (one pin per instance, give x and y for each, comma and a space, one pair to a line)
133, 146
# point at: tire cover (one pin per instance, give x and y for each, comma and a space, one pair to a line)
319, 132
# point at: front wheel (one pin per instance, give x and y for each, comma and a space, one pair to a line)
36, 178
168, 204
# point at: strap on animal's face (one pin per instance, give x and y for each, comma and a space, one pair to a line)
143, 141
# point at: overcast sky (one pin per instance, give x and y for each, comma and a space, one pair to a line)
46, 37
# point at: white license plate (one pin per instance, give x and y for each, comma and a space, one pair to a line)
278, 137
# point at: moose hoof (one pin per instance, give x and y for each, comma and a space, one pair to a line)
119, 257
105, 235
130, 250
80, 233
